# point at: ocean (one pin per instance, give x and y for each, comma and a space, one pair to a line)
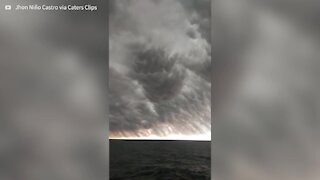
159, 160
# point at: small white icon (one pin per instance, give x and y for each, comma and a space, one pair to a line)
7, 7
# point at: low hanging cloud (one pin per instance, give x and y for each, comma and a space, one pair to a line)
160, 68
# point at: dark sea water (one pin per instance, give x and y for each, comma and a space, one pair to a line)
159, 160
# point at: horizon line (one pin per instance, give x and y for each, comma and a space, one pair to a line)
173, 137
123, 139
158, 139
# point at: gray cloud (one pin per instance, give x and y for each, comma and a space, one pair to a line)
159, 75
160, 68
128, 104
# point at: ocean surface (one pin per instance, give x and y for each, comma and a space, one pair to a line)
159, 160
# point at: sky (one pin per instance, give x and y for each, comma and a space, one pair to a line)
160, 69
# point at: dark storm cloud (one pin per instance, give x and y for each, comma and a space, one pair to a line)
201, 15
128, 104
159, 75
160, 63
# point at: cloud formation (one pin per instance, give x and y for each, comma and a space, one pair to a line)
160, 68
